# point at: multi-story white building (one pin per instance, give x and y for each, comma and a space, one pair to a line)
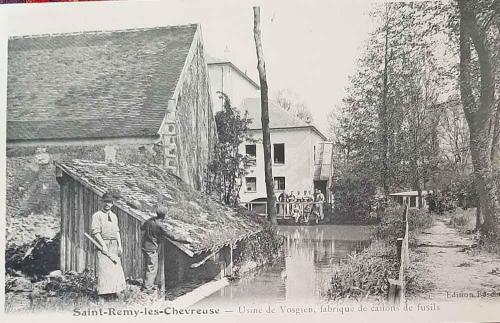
301, 155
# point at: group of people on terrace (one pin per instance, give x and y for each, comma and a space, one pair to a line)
301, 206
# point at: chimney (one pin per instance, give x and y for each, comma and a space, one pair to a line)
227, 53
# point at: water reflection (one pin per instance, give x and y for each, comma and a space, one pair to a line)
311, 255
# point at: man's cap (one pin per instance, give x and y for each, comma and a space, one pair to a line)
161, 210
107, 197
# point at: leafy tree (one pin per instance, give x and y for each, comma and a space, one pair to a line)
227, 167
354, 199
388, 125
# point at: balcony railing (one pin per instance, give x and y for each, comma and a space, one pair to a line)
289, 210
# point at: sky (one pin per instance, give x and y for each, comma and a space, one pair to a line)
309, 47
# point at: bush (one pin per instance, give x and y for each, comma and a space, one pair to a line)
83, 283
460, 192
365, 274
463, 219
354, 199
490, 242
440, 202
463, 192
264, 248
419, 219
391, 226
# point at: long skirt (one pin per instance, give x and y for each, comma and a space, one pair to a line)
110, 276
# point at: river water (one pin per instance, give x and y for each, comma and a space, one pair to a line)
311, 255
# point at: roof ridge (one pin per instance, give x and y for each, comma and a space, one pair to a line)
92, 32
275, 105
62, 119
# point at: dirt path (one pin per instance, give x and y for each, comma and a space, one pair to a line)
451, 269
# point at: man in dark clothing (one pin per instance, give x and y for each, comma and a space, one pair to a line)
153, 232
283, 205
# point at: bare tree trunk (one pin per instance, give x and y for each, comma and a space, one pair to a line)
479, 114
266, 136
383, 114
495, 148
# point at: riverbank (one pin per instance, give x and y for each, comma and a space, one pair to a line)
34, 285
451, 264
365, 275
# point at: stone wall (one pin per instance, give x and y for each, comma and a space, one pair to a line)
195, 126
32, 189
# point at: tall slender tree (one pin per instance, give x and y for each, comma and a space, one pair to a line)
266, 136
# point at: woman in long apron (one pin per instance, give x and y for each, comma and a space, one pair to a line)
110, 276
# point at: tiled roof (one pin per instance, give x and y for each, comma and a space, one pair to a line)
142, 187
278, 117
93, 84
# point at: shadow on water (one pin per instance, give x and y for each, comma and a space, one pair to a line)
311, 255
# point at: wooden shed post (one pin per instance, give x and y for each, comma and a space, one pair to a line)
62, 212
81, 261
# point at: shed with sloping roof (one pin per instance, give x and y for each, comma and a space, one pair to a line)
411, 198
213, 228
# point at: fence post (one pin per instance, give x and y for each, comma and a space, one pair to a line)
394, 296
399, 246
397, 286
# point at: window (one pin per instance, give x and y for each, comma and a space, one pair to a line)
251, 152
279, 183
279, 153
251, 184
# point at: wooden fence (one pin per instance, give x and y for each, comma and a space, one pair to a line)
397, 286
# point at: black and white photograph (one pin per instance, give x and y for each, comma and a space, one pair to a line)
251, 160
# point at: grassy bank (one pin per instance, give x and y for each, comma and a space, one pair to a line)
465, 222
365, 275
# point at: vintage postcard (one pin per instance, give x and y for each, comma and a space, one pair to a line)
251, 161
